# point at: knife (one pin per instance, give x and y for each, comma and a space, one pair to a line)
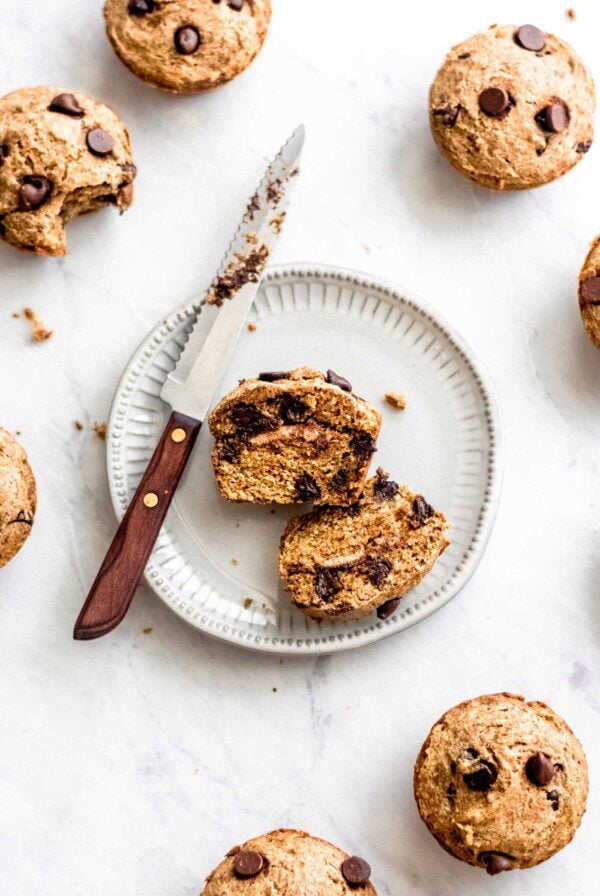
189, 390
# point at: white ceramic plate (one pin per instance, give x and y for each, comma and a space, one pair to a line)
215, 564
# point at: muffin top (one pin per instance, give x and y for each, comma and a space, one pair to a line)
186, 46
512, 107
501, 783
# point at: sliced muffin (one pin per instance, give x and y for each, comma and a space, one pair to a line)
347, 562
292, 437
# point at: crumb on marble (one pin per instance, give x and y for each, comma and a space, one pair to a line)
100, 429
39, 330
148, 630
234, 561
15, 314
367, 248
248, 603
78, 425
570, 14
396, 400
274, 690
251, 329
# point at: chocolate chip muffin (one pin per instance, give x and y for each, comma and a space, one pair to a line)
62, 154
512, 108
186, 46
289, 862
589, 292
501, 783
17, 497
292, 437
346, 562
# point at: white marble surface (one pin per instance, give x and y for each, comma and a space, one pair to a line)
131, 764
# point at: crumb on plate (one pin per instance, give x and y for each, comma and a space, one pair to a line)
396, 400
100, 430
39, 330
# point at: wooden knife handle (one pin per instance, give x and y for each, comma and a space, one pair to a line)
124, 564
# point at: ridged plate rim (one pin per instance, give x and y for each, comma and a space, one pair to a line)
365, 631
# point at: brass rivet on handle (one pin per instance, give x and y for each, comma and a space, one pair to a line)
178, 435
150, 499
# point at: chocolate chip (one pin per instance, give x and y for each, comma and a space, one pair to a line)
495, 862
464, 56
247, 863
377, 571
33, 192
384, 488
140, 7
187, 40
590, 291
327, 583
482, 778
448, 114
293, 409
338, 381
4, 150
451, 791
339, 480
553, 118
274, 376
250, 421
66, 104
235, 4
494, 101
363, 445
530, 38
540, 769
584, 146
554, 798
422, 511
229, 448
356, 871
307, 488
388, 608
99, 142
129, 168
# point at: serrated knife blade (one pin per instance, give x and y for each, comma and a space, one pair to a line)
221, 314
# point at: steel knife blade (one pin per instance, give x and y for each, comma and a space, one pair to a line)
190, 387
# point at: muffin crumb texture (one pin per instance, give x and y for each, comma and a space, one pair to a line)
501, 783
512, 108
347, 562
293, 437
62, 154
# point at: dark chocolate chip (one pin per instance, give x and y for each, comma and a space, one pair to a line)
472, 752
327, 583
307, 488
293, 409
187, 40
590, 291
464, 56
140, 7
356, 871
235, 4
447, 114
66, 104
553, 118
540, 769
384, 488
4, 150
272, 377
339, 480
363, 445
554, 798
530, 38
130, 168
583, 147
229, 448
250, 421
494, 101
495, 862
377, 571
247, 863
388, 608
482, 778
99, 142
34, 192
339, 381
422, 511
